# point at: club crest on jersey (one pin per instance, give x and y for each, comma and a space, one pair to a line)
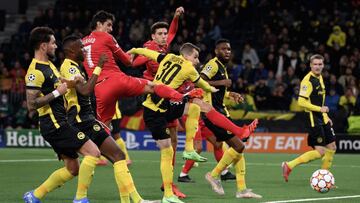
72, 70
208, 68
319, 140
304, 88
80, 135
31, 77
96, 127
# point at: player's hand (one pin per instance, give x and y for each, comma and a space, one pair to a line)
62, 88
69, 83
236, 97
102, 60
227, 82
79, 78
324, 109
213, 89
179, 11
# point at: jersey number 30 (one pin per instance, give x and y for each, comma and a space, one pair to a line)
169, 72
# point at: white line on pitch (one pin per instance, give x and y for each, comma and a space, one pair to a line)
315, 199
158, 161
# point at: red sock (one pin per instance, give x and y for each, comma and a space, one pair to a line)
166, 92
221, 121
188, 166
218, 153
174, 157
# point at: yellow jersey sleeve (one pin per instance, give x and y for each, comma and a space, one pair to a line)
68, 71
305, 89
34, 78
210, 69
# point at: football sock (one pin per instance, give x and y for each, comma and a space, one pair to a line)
55, 180
221, 121
125, 182
218, 153
191, 126
86, 172
327, 159
240, 169
188, 166
167, 170
229, 156
166, 92
304, 158
120, 142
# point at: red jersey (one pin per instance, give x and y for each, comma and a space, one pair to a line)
98, 43
152, 66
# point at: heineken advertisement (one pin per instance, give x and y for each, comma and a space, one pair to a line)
22, 138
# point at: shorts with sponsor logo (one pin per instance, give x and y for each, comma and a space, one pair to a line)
94, 130
157, 121
110, 89
66, 140
321, 135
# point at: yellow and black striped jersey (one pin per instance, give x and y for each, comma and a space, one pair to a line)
44, 76
215, 70
78, 106
173, 71
312, 89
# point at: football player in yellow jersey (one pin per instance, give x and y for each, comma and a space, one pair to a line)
321, 136
80, 115
44, 95
173, 71
215, 73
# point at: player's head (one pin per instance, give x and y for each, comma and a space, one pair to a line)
73, 48
42, 40
190, 52
159, 32
102, 21
316, 64
223, 50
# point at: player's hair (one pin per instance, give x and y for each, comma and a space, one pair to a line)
316, 56
159, 25
220, 41
101, 16
69, 39
188, 48
39, 35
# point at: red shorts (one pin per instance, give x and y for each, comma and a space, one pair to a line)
109, 90
203, 132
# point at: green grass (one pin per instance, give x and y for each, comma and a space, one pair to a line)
263, 175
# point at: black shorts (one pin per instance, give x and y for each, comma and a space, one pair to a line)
321, 135
94, 130
220, 133
66, 140
157, 121
115, 124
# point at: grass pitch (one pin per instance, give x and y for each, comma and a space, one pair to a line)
24, 169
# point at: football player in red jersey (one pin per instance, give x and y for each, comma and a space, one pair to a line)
162, 35
112, 83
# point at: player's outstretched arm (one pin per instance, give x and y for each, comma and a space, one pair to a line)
174, 25
153, 55
205, 86
86, 88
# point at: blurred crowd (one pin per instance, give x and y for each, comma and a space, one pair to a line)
271, 41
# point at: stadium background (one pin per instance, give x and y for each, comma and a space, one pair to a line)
271, 41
